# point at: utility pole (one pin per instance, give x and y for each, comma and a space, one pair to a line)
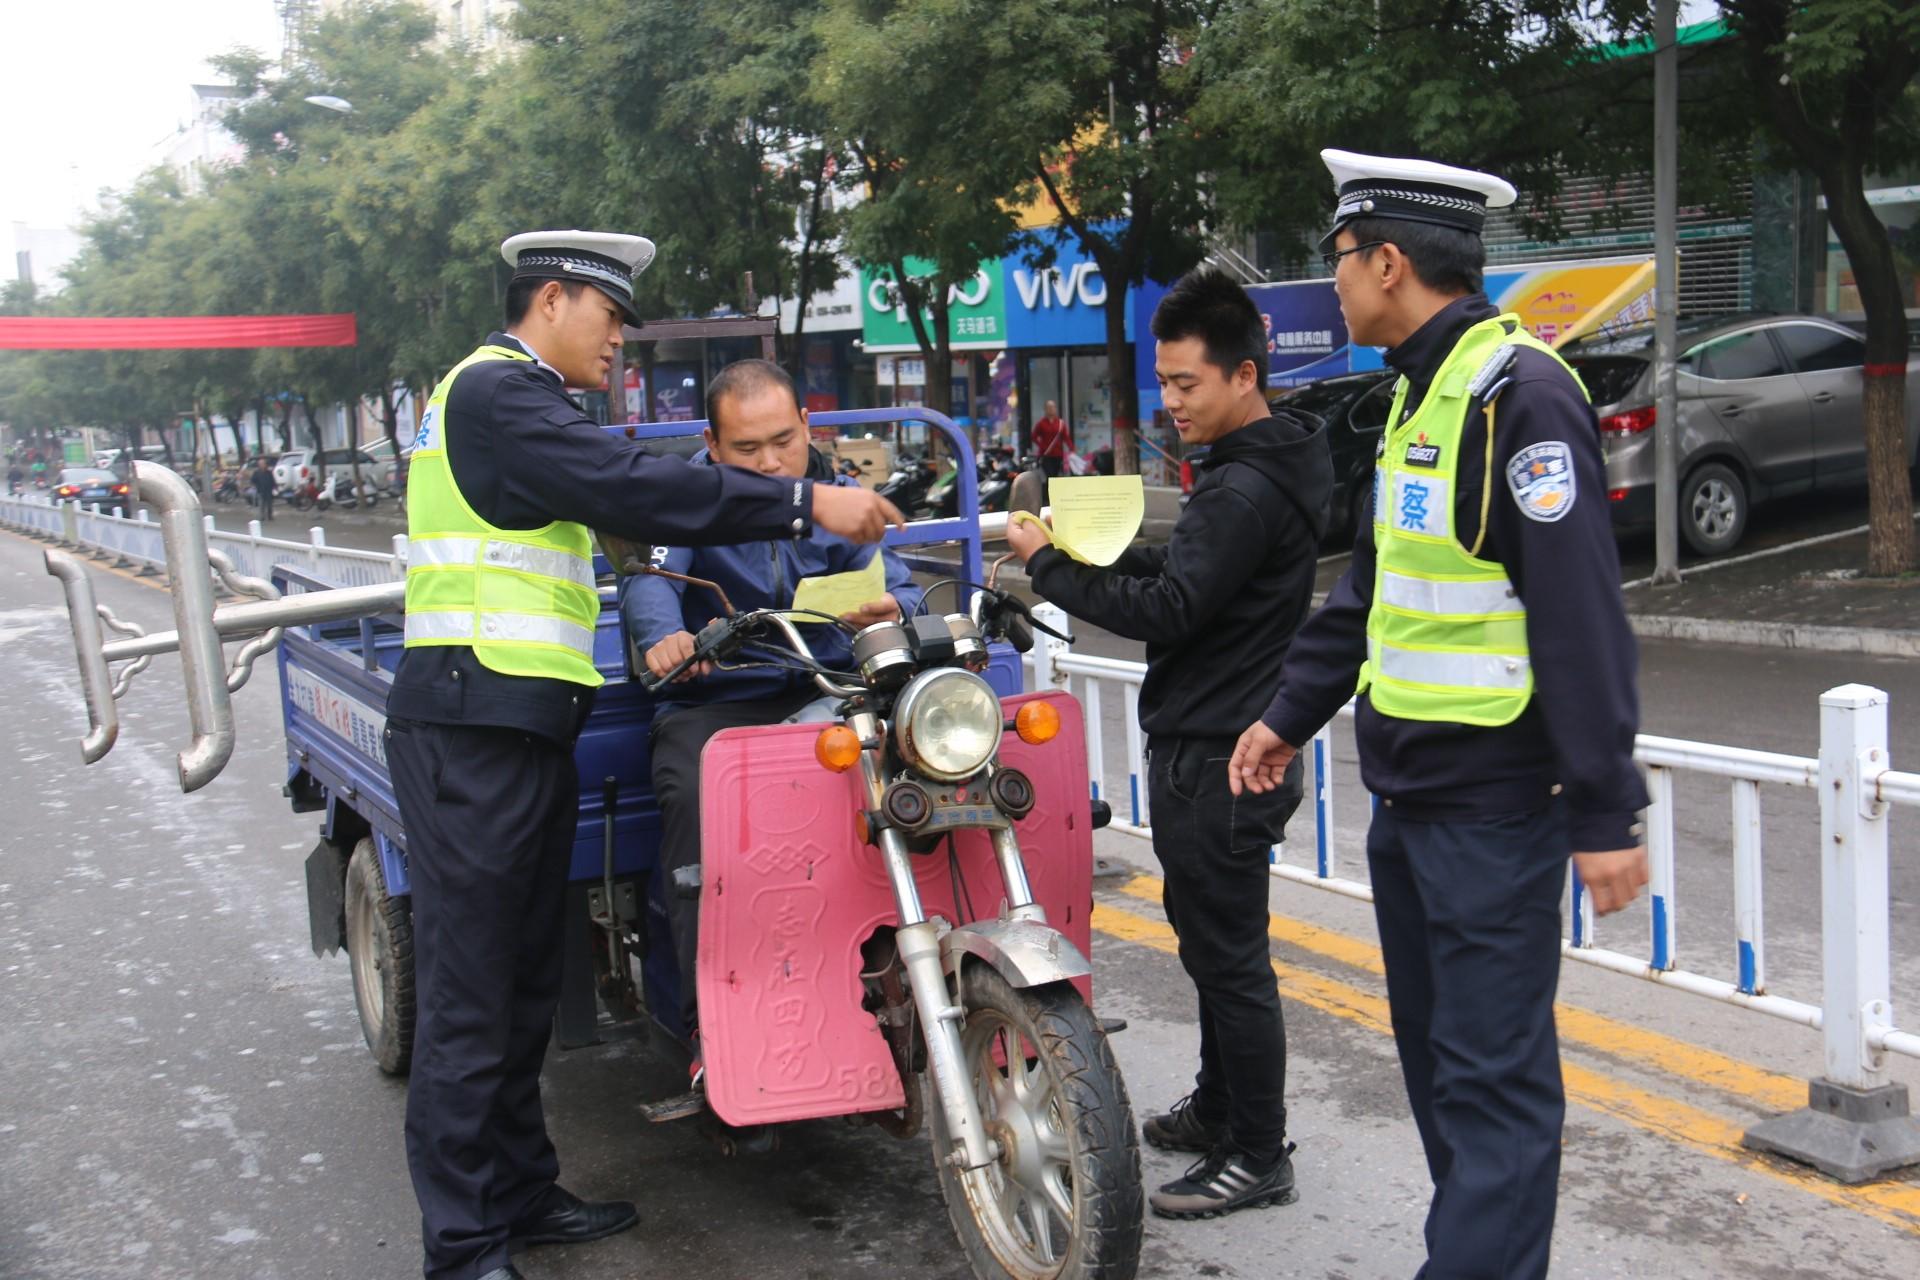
1666, 295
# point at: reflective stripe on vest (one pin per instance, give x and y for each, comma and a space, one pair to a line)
1440, 669
523, 600
1447, 635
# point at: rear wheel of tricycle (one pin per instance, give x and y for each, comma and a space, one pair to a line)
1064, 1198
380, 948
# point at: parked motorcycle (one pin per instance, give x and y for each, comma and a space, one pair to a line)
226, 485
906, 486
999, 466
339, 491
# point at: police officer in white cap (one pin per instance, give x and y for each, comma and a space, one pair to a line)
506, 479
1482, 622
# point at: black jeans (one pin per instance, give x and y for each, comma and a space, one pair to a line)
490, 816
675, 744
1469, 916
1213, 849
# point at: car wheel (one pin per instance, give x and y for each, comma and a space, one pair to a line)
1713, 509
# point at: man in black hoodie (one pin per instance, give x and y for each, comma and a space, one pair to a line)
1216, 607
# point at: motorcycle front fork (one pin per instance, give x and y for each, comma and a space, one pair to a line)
918, 940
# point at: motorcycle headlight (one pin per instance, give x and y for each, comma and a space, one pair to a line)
948, 723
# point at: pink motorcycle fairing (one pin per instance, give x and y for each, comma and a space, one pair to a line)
789, 893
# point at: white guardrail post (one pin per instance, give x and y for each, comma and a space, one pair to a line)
1856, 1124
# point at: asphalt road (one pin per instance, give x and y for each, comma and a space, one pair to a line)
187, 1094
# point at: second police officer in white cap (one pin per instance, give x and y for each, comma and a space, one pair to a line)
1482, 622
508, 476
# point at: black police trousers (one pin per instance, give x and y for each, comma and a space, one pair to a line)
1469, 916
675, 745
489, 816
1213, 850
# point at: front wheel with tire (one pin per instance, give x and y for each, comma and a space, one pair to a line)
1713, 509
380, 951
1064, 1200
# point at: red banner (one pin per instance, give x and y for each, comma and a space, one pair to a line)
174, 333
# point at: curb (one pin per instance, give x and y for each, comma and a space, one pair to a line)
1878, 642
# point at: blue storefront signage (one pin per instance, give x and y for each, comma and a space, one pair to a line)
1058, 306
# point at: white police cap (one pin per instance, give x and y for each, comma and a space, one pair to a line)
604, 259
1412, 191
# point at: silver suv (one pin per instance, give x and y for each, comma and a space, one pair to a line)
1769, 408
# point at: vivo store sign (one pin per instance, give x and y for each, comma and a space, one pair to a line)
1058, 306
1005, 303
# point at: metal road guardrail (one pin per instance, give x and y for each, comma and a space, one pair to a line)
134, 542
1856, 786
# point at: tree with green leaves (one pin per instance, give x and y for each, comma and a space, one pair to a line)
933, 181
689, 123
1835, 83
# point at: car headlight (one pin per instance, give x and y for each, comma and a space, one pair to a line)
948, 723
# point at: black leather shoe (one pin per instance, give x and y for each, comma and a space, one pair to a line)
508, 1272
567, 1219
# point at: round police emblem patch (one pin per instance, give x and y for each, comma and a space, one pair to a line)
1541, 477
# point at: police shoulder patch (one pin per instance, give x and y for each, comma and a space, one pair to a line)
1541, 477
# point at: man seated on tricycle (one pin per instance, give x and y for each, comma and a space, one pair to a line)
756, 422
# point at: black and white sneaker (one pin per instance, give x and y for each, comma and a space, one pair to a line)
1224, 1181
1182, 1129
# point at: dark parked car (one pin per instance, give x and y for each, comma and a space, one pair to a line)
1354, 408
1769, 407
91, 486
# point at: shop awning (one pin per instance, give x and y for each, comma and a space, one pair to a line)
174, 333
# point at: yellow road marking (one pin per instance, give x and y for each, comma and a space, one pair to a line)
1769, 1090
1897, 1204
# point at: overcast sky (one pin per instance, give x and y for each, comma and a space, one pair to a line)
92, 88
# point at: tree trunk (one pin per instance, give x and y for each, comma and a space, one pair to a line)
940, 359
1890, 537
286, 425
390, 417
319, 449
1123, 396
353, 454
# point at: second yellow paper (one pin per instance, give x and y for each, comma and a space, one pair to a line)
838, 593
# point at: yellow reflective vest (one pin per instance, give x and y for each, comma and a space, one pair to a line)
523, 600
1447, 633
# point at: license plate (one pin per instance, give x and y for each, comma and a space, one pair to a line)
94, 493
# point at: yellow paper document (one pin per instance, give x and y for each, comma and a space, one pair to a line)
838, 593
1096, 517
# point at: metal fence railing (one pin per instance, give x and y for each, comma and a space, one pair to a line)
1852, 775
134, 541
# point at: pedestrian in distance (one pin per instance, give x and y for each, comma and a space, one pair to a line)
261, 480
1481, 621
497, 677
1216, 607
1052, 440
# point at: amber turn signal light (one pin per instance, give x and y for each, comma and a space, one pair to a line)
1037, 722
837, 748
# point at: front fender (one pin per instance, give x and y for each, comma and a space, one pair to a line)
1025, 952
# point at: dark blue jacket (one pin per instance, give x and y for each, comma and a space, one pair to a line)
1576, 734
755, 575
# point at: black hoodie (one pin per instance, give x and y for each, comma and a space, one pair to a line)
1219, 603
